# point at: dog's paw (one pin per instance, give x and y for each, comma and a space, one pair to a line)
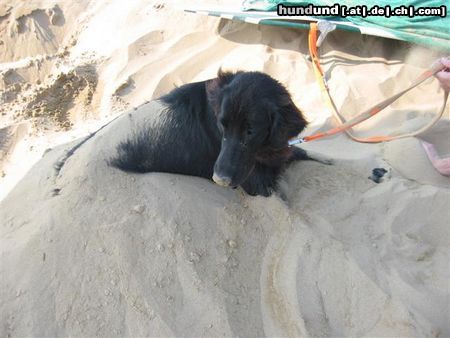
327, 161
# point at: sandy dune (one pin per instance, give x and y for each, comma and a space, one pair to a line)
93, 251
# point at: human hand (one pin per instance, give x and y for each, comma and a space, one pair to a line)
444, 75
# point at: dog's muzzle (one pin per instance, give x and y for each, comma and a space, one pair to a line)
223, 181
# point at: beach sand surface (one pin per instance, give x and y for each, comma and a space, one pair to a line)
93, 251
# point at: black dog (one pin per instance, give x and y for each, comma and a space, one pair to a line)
234, 129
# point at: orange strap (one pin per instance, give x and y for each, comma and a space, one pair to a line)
347, 125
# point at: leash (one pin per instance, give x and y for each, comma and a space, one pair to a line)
347, 125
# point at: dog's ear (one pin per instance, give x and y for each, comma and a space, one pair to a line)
287, 121
214, 88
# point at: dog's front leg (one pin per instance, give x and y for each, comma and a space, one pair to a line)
301, 154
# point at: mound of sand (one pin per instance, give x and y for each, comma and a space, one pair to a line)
89, 250
106, 253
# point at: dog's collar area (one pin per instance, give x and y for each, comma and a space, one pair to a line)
296, 141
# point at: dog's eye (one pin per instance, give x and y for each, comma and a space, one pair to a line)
223, 122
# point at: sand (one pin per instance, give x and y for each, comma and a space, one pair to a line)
92, 251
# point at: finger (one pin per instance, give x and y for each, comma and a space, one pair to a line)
445, 62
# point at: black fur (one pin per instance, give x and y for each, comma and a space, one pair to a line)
235, 127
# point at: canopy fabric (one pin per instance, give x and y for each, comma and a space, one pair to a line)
432, 31
272, 19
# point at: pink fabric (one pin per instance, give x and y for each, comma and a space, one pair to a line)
442, 165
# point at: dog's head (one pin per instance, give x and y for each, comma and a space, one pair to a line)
256, 117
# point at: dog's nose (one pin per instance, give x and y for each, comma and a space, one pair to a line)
223, 181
